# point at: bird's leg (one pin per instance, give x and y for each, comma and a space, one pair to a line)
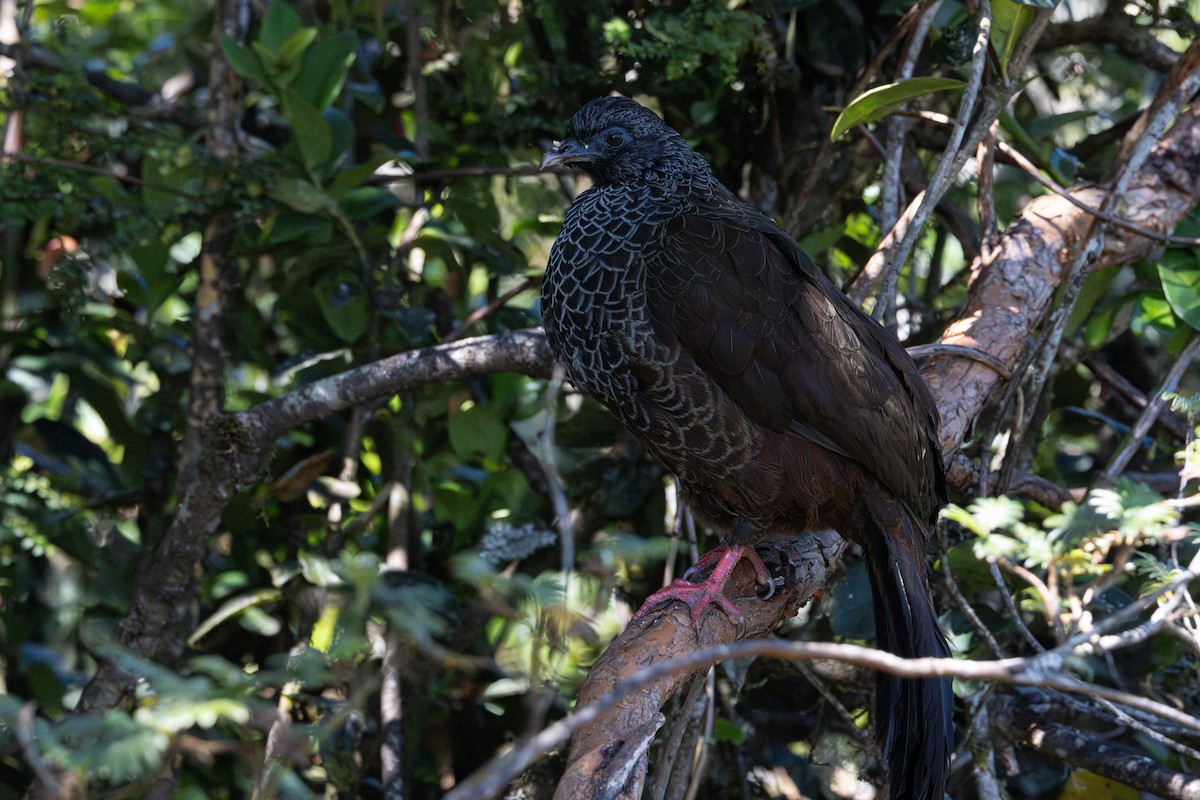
699, 596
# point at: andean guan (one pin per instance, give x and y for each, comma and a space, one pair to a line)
780, 406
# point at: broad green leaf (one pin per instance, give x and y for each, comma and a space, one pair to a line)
1010, 20
232, 608
1151, 309
245, 62
1095, 332
310, 131
290, 53
302, 196
877, 103
344, 306
1095, 288
324, 69
477, 431
280, 25
353, 177
1179, 272
458, 504
158, 276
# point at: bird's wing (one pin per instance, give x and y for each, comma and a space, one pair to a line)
739, 297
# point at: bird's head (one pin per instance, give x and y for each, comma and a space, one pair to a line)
615, 139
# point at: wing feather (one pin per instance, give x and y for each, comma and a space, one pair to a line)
792, 351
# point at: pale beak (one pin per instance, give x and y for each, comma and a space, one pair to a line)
565, 153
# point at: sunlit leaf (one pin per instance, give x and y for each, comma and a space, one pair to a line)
1179, 272
1151, 310
1010, 20
279, 26
877, 103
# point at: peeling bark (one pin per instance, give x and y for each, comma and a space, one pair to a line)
1013, 288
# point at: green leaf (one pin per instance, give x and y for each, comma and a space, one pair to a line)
310, 131
1151, 309
703, 112
1045, 126
353, 177
1095, 332
726, 730
290, 53
343, 304
877, 103
1179, 272
1010, 20
245, 62
324, 69
303, 196
477, 431
279, 26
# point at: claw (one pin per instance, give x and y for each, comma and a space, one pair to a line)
699, 596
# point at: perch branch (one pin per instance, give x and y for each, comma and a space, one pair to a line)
667, 632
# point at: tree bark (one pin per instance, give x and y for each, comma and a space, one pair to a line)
608, 757
1013, 288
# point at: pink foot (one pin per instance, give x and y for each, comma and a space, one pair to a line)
699, 596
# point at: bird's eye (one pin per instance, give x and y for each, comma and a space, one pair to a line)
614, 138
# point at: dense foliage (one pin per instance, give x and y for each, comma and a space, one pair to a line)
206, 209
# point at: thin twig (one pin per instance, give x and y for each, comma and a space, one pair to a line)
672, 746
974, 353
480, 314
1146, 730
1031, 169
1041, 671
890, 184
942, 175
1049, 595
391, 696
27, 740
461, 173
817, 682
133, 180
1013, 612
549, 458
699, 771
416, 76
1019, 160
1153, 408
964, 606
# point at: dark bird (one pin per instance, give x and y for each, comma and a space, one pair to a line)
780, 406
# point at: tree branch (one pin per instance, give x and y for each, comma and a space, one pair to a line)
667, 632
1014, 722
236, 449
1009, 298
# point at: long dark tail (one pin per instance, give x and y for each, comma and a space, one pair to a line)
914, 717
